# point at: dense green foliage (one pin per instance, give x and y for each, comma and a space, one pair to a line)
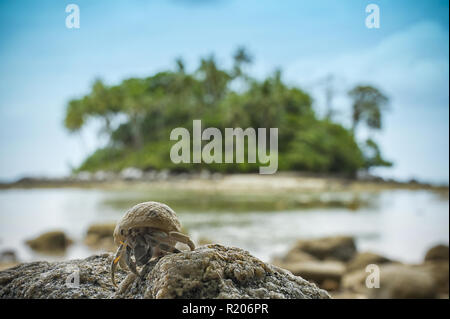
151, 107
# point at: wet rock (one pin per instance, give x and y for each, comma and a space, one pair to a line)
396, 281
8, 259
205, 174
341, 248
8, 255
330, 285
215, 271
163, 175
204, 241
436, 263
100, 236
438, 252
361, 260
7, 264
347, 295
212, 271
439, 270
150, 175
400, 281
354, 282
327, 274
102, 176
53, 241
216, 176
54, 280
83, 176
131, 173
293, 256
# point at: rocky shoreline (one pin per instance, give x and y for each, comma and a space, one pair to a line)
211, 271
198, 180
332, 263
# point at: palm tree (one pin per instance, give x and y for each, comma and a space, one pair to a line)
241, 57
180, 65
368, 104
214, 79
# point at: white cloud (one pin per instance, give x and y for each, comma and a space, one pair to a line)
412, 68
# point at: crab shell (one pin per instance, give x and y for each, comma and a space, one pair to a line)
147, 214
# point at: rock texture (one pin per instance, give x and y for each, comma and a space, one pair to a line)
100, 236
396, 281
436, 262
327, 274
438, 252
211, 271
8, 259
320, 260
361, 260
50, 242
341, 248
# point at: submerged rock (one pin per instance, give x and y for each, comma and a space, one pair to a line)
211, 271
8, 255
396, 281
439, 270
327, 274
50, 242
8, 259
361, 260
7, 264
320, 260
436, 263
438, 252
100, 236
341, 248
293, 257
131, 173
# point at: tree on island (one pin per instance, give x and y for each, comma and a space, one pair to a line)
368, 105
139, 113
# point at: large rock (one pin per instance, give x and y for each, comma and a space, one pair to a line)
8, 255
396, 281
100, 236
293, 257
338, 247
361, 260
436, 262
327, 274
439, 270
8, 259
211, 271
50, 242
438, 252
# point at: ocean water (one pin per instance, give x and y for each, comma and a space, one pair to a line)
400, 224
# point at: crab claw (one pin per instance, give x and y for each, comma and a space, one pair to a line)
115, 262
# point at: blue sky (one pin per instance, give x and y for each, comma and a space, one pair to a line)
43, 64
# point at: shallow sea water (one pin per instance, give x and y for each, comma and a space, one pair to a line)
400, 224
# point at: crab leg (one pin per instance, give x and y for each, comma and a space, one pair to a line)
182, 238
130, 263
116, 259
168, 248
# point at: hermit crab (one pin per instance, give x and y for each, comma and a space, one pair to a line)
147, 230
